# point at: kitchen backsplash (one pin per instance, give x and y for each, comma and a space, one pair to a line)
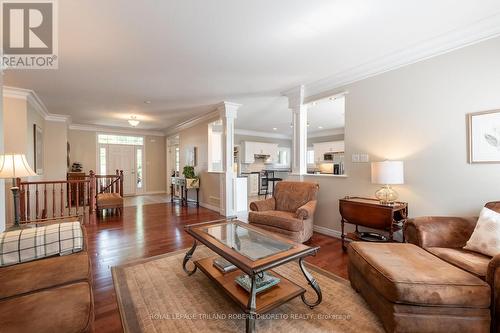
257, 166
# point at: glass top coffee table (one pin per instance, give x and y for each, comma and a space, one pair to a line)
253, 251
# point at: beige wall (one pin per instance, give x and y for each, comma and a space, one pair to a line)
418, 114
156, 169
15, 120
55, 135
210, 183
84, 150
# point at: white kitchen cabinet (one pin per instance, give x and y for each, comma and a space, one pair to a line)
321, 148
241, 194
253, 184
250, 149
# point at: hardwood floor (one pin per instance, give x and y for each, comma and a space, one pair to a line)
149, 230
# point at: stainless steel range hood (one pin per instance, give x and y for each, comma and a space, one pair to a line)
261, 156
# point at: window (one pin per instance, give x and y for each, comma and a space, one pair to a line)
120, 139
177, 159
139, 167
102, 161
215, 152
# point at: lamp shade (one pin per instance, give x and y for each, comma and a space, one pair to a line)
14, 166
388, 172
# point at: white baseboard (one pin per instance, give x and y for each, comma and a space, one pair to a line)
153, 192
327, 231
209, 206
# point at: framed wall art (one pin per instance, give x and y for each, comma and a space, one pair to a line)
484, 136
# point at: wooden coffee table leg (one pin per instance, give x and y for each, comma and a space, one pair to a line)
313, 283
251, 308
187, 257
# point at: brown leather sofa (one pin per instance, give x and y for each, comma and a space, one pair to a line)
49, 295
445, 238
289, 212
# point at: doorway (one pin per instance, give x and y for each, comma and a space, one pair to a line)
119, 152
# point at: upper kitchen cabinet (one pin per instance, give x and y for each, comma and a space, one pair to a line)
261, 149
322, 148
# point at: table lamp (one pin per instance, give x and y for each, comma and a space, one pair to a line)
387, 173
15, 166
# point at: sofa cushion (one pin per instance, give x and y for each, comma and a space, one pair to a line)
45, 273
473, 262
486, 236
292, 195
407, 274
109, 199
65, 309
276, 218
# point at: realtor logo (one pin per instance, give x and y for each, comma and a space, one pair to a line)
29, 34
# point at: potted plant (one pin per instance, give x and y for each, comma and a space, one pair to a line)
192, 181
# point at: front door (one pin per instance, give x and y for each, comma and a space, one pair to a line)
122, 157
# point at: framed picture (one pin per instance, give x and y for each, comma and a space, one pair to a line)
38, 149
484, 137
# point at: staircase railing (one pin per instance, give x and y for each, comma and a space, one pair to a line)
52, 199
110, 183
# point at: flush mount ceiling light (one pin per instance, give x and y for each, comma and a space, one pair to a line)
275, 128
147, 102
133, 121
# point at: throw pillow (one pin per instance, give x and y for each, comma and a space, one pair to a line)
486, 236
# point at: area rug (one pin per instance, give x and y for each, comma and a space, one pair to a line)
156, 295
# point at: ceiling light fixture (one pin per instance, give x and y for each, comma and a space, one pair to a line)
147, 102
275, 128
320, 127
133, 121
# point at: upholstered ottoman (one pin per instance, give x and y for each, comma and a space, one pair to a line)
411, 290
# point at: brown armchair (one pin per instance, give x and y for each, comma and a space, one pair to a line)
289, 212
445, 237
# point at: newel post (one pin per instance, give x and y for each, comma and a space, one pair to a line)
121, 183
92, 191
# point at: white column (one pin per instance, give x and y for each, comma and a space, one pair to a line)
299, 122
2, 186
228, 113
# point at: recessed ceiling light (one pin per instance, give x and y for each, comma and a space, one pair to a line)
147, 102
275, 128
320, 127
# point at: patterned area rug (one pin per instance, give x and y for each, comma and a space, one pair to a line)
156, 295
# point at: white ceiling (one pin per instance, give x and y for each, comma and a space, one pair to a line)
186, 55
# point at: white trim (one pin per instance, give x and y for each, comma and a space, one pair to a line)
34, 100
151, 193
262, 134
327, 231
477, 32
209, 206
192, 122
114, 130
319, 134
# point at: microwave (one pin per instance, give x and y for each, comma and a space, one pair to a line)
328, 157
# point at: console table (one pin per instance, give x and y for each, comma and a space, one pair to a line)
183, 187
370, 213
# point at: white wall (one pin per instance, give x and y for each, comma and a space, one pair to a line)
418, 114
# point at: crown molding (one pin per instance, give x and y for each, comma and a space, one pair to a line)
238, 131
118, 130
319, 134
193, 122
477, 32
34, 100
